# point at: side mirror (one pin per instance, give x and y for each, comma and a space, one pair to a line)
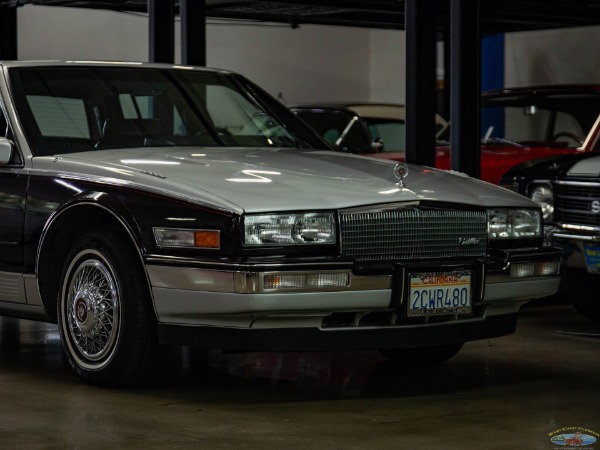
6, 151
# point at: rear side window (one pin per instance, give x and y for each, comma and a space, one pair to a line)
59, 116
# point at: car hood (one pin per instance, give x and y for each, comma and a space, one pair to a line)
252, 180
582, 165
586, 167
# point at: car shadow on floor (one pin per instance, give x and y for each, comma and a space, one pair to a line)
544, 337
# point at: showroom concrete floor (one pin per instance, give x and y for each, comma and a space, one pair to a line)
510, 392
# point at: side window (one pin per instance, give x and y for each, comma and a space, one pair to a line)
137, 106
235, 115
391, 133
4, 131
230, 111
149, 107
60, 117
128, 106
329, 124
566, 123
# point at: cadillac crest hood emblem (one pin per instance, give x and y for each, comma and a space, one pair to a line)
401, 172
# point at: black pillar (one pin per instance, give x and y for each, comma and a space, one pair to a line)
8, 32
444, 89
465, 89
161, 18
420, 81
193, 32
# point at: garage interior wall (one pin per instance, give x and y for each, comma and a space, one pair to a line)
553, 56
304, 64
282, 60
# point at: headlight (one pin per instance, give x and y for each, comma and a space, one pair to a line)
289, 229
514, 223
542, 194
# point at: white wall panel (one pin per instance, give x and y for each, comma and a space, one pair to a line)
553, 57
305, 64
310, 63
387, 66
46, 32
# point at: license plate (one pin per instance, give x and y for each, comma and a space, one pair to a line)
439, 293
592, 257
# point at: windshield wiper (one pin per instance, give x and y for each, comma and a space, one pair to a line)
346, 131
500, 141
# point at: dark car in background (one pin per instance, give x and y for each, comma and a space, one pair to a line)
363, 128
568, 190
517, 125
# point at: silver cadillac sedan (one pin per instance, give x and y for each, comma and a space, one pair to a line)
148, 204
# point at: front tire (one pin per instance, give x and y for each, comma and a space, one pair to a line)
583, 291
422, 355
105, 318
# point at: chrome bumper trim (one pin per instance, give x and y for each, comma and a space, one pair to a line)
579, 237
246, 282
251, 282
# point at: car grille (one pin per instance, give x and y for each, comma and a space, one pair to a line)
573, 204
413, 234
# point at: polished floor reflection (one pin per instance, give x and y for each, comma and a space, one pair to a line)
510, 392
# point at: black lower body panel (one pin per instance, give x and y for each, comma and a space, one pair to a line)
315, 339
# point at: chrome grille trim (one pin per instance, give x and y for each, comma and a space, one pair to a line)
412, 234
573, 200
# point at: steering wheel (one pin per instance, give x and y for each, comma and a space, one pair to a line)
568, 134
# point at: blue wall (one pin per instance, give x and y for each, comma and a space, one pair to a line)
492, 77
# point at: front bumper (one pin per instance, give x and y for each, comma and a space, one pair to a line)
318, 339
580, 247
231, 307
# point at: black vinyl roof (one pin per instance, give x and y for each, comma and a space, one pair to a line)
496, 15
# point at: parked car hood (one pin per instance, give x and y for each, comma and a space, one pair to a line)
587, 164
588, 167
274, 179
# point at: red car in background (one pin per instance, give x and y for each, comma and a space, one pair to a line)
517, 125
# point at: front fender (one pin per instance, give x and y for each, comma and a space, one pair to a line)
62, 228
79, 206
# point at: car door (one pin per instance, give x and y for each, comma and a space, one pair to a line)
13, 187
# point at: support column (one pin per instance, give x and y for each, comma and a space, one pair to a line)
465, 90
420, 81
193, 32
161, 18
8, 32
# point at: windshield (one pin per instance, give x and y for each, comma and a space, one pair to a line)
392, 133
74, 109
530, 124
331, 126
370, 134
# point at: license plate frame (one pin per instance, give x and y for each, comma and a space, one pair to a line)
440, 293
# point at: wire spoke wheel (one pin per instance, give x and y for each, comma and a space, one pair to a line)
93, 310
105, 316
